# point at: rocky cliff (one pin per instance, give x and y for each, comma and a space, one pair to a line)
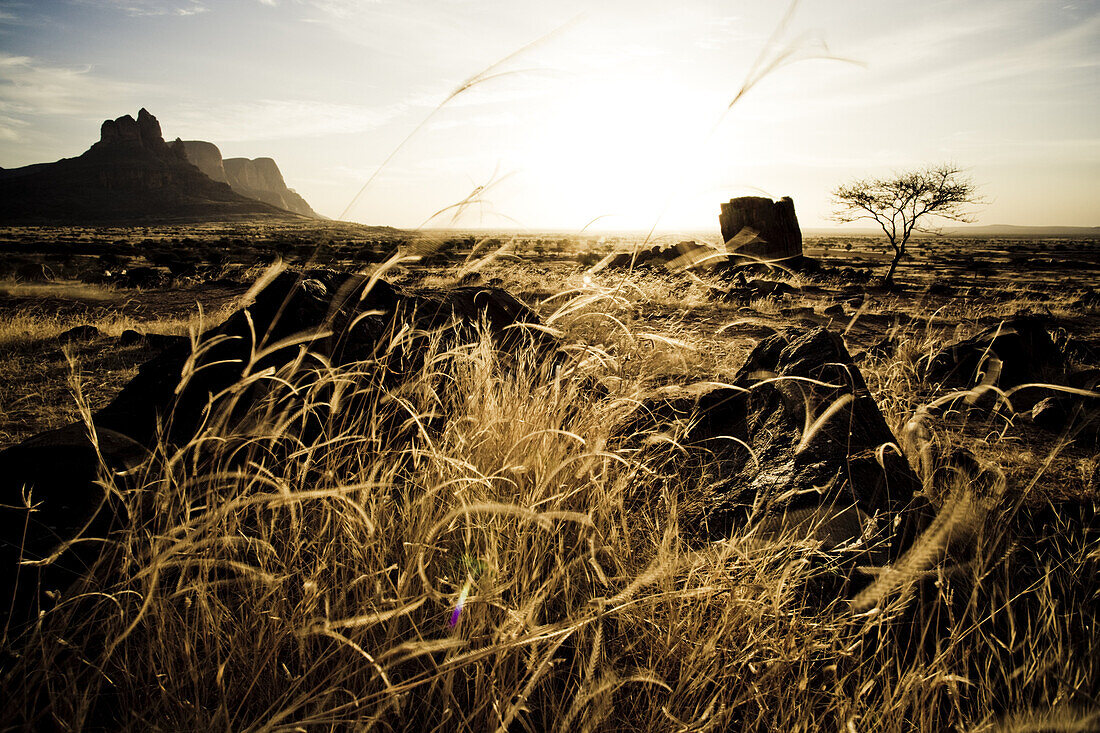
206, 157
261, 179
130, 176
258, 179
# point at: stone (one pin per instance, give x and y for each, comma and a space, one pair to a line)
302, 303
758, 227
1077, 417
79, 333
130, 337
1018, 351
57, 473
144, 277
763, 465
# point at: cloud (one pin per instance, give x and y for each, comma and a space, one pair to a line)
141, 8
10, 127
271, 119
28, 87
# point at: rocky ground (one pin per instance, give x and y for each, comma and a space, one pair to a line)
787, 457
164, 280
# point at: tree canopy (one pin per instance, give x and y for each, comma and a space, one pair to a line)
902, 203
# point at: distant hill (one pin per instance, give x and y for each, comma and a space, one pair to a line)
992, 230
130, 176
258, 179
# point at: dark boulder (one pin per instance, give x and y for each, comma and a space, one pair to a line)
1077, 417
130, 337
797, 435
51, 496
144, 277
79, 333
157, 341
1018, 351
761, 228
341, 319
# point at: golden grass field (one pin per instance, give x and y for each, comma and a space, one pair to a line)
515, 565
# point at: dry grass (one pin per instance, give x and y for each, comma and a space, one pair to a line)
475, 550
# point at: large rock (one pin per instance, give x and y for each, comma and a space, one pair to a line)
355, 317
53, 492
340, 318
1074, 416
761, 228
798, 439
130, 176
1018, 351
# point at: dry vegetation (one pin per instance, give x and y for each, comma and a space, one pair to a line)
512, 564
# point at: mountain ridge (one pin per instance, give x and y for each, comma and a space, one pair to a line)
130, 175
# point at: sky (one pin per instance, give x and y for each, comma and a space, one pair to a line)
560, 115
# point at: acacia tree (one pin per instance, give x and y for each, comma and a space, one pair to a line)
901, 203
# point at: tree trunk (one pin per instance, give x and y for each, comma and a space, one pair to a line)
889, 279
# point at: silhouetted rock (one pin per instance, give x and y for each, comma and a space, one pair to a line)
303, 303
687, 255
79, 333
1075, 416
131, 175
144, 277
56, 472
1018, 351
763, 463
761, 228
130, 337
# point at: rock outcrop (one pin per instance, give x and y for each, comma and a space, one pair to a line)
130, 176
261, 179
796, 440
258, 179
1019, 351
206, 157
681, 256
761, 228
